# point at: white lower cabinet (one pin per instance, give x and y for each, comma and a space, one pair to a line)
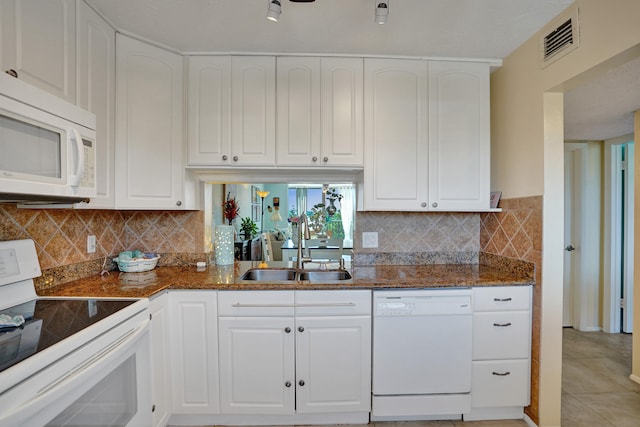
500, 387
194, 353
295, 353
160, 361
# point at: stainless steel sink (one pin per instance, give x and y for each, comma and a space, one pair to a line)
328, 275
269, 275
288, 274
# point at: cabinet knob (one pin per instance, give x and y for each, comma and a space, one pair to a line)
12, 73
434, 204
287, 384
423, 204
314, 159
301, 382
225, 157
287, 329
325, 159
179, 203
235, 158
153, 408
300, 329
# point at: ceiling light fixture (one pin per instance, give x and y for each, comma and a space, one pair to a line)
274, 10
382, 11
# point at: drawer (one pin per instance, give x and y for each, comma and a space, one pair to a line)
333, 303
500, 383
499, 298
501, 335
255, 303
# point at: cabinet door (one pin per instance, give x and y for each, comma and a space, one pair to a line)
253, 108
96, 41
194, 352
333, 364
395, 130
149, 169
39, 43
342, 112
459, 146
256, 365
208, 111
160, 360
298, 115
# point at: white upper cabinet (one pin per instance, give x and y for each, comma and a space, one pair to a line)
459, 145
319, 116
396, 158
208, 111
298, 128
427, 135
149, 97
39, 43
96, 42
253, 107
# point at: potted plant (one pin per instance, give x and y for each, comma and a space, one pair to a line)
248, 228
230, 208
332, 196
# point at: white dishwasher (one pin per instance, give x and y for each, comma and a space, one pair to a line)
422, 343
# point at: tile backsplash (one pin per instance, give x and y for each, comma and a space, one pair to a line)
60, 235
418, 238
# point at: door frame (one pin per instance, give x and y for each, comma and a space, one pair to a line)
612, 237
586, 213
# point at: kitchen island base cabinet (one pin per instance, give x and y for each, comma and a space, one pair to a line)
292, 357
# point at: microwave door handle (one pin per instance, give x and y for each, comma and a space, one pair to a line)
74, 180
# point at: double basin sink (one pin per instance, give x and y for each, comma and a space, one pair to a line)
290, 274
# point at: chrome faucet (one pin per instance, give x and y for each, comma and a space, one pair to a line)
304, 221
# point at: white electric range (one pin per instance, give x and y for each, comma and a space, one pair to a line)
73, 361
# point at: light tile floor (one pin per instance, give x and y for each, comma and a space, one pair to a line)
596, 389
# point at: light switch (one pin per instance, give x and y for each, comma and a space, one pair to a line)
369, 239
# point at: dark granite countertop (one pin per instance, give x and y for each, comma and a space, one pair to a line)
146, 284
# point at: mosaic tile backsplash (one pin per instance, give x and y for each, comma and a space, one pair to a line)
60, 235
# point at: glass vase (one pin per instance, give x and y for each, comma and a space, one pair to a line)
224, 243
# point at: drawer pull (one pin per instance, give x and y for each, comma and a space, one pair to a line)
502, 325
501, 374
502, 299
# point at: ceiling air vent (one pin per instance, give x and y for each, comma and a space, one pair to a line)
560, 39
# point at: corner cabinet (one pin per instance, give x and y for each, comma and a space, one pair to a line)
427, 135
319, 112
501, 380
149, 107
295, 353
96, 42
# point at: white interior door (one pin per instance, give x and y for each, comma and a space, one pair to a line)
569, 256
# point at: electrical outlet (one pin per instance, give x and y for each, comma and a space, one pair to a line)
91, 244
369, 239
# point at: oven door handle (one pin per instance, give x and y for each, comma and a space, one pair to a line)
53, 389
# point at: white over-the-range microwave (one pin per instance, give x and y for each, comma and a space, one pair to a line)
47, 146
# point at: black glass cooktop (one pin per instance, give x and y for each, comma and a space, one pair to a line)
49, 321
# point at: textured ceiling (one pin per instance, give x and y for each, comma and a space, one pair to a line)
600, 109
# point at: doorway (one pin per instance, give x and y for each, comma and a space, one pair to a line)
618, 263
